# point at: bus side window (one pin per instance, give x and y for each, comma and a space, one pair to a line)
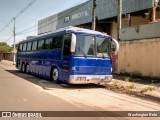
57, 42
48, 43
20, 47
66, 48
29, 45
24, 47
41, 45
34, 45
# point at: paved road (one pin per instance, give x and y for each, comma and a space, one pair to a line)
22, 92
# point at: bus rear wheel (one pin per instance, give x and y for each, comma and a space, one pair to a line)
27, 69
55, 75
23, 68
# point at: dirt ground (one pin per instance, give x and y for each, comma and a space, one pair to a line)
145, 88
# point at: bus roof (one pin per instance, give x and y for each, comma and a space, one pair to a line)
70, 29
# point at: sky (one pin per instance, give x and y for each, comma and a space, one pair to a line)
28, 18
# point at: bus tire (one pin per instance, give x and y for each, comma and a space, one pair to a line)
55, 75
27, 69
23, 68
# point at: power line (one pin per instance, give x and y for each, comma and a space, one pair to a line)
63, 15
58, 6
21, 32
8, 38
73, 7
22, 11
7, 25
25, 32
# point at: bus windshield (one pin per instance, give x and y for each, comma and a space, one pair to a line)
92, 46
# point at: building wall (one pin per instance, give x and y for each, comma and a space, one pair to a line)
48, 24
82, 14
6, 56
151, 30
135, 21
158, 14
140, 57
139, 51
1, 56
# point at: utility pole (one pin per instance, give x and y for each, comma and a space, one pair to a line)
153, 11
128, 20
119, 19
14, 46
94, 15
119, 26
154, 6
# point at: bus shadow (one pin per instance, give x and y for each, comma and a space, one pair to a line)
46, 84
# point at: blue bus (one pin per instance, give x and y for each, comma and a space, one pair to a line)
70, 55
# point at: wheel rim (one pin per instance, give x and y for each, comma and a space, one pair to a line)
27, 69
23, 68
55, 75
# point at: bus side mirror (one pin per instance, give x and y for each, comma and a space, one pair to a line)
73, 43
116, 46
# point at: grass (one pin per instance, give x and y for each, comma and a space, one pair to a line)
127, 79
132, 86
147, 88
117, 84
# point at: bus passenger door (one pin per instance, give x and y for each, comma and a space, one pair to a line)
66, 59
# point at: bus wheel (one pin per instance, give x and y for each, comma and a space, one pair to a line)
54, 75
27, 69
23, 68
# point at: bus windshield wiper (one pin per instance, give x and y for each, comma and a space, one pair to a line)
83, 52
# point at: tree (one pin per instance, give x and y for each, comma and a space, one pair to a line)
4, 48
15, 46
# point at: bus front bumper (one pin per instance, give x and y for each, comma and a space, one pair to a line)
87, 79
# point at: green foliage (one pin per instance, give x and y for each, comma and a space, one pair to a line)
127, 79
4, 48
117, 84
3, 43
147, 88
131, 86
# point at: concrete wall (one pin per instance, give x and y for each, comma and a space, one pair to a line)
6, 56
139, 52
158, 14
1, 56
135, 21
140, 57
151, 30
83, 13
